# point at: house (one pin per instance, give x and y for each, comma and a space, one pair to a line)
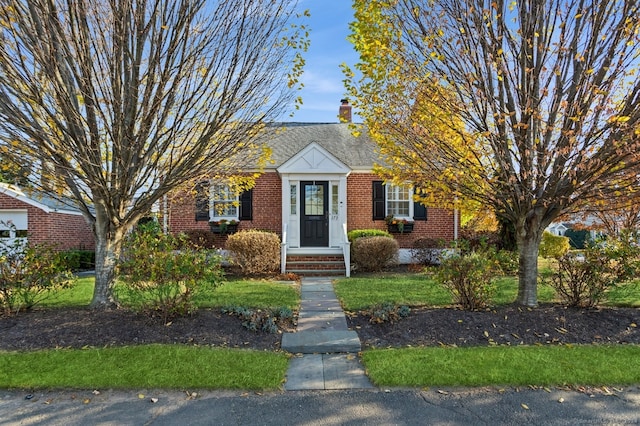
319, 185
41, 219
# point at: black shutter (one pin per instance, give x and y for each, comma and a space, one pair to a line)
202, 201
379, 211
419, 211
246, 205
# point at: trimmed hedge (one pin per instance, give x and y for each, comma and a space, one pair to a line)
360, 233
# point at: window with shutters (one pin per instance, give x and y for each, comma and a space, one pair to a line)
218, 202
397, 201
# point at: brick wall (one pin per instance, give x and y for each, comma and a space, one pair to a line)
267, 210
65, 231
439, 223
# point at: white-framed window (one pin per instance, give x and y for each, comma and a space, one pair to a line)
224, 202
399, 201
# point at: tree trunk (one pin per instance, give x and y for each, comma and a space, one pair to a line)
528, 246
108, 245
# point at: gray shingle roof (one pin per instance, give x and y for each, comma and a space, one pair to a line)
358, 153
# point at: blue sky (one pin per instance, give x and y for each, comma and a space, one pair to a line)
329, 48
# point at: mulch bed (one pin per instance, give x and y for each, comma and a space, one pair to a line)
508, 325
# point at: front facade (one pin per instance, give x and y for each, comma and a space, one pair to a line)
319, 185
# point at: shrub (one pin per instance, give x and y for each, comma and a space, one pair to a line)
266, 320
427, 251
29, 274
79, 260
200, 238
387, 312
359, 233
474, 240
582, 280
469, 278
158, 279
255, 252
554, 246
374, 253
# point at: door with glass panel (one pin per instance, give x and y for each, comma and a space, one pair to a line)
314, 218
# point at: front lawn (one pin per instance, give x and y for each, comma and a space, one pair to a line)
175, 366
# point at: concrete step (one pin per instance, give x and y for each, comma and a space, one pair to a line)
320, 372
321, 342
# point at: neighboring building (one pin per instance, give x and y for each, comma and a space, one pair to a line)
42, 219
319, 185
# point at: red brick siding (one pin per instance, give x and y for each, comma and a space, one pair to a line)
439, 223
267, 210
65, 231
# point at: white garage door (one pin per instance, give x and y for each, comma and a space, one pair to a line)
13, 226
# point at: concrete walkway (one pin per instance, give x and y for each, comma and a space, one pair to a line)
326, 350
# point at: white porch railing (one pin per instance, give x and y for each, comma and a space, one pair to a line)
346, 251
283, 250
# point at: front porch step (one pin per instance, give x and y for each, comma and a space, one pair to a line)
316, 264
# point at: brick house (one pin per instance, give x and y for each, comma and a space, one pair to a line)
42, 219
318, 186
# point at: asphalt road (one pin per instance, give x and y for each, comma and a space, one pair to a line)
490, 406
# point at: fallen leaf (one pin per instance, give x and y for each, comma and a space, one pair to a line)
140, 396
561, 400
525, 406
86, 401
443, 392
48, 401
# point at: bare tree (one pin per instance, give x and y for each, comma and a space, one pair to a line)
529, 107
123, 101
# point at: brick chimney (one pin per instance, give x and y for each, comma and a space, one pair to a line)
345, 111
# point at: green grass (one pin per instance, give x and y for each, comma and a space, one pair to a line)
417, 290
403, 289
236, 292
627, 295
148, 366
251, 294
77, 296
505, 365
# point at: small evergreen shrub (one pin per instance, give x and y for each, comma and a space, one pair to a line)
265, 320
469, 278
554, 246
427, 251
29, 273
387, 312
374, 253
359, 233
255, 252
160, 276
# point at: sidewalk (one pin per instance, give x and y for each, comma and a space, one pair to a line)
326, 350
